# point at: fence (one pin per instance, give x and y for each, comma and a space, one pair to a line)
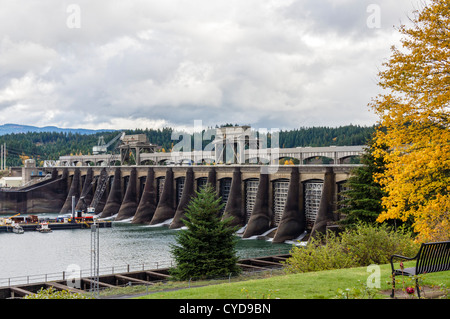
64, 275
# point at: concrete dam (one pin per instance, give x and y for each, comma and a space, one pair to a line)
283, 204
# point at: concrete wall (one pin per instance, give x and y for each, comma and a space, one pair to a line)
129, 191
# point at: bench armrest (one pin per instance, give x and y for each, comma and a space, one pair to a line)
400, 257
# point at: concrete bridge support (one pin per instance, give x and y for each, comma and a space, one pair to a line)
86, 192
148, 203
165, 209
293, 220
325, 213
73, 191
130, 202
261, 217
212, 178
114, 200
234, 205
188, 193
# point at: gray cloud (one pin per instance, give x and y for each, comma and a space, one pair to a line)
282, 63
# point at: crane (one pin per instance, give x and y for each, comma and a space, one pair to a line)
102, 147
102, 182
102, 179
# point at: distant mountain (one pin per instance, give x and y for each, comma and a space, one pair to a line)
18, 128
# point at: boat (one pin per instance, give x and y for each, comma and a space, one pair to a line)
43, 228
18, 229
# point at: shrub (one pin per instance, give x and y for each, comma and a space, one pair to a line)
359, 246
322, 253
52, 293
375, 244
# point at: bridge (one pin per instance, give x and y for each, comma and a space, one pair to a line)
337, 155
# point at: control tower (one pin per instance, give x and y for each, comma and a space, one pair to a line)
138, 143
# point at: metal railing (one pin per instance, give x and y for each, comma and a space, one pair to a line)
82, 273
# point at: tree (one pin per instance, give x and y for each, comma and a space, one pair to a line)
206, 249
361, 201
414, 110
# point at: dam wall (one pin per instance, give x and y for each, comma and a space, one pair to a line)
291, 199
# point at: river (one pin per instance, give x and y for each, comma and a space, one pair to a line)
34, 253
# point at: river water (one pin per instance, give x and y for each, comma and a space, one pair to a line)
34, 253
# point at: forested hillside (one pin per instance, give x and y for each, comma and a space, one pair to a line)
326, 136
52, 145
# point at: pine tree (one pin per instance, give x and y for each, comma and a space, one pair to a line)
206, 249
361, 201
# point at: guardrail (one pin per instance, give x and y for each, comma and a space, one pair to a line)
64, 275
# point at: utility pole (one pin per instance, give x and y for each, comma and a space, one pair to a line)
95, 254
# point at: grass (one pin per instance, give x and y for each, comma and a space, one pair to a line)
312, 285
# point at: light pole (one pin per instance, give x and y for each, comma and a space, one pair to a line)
95, 254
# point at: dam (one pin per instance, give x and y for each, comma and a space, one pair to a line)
283, 204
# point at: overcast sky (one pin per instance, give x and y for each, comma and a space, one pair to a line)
146, 63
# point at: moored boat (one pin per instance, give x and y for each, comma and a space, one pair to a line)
43, 228
17, 229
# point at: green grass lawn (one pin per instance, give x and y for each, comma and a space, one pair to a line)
313, 285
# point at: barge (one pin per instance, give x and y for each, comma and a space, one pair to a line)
31, 223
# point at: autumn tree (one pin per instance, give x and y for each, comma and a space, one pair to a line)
414, 112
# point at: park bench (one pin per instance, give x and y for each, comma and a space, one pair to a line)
432, 257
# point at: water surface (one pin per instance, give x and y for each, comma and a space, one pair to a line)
34, 253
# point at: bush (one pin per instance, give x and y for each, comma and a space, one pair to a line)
375, 244
322, 253
359, 246
52, 293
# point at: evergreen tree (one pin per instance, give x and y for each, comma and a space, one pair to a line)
361, 201
206, 249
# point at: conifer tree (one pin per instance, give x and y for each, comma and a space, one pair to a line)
361, 201
206, 249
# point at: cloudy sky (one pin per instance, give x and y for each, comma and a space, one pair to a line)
147, 63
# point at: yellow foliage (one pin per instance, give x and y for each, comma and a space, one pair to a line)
415, 125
